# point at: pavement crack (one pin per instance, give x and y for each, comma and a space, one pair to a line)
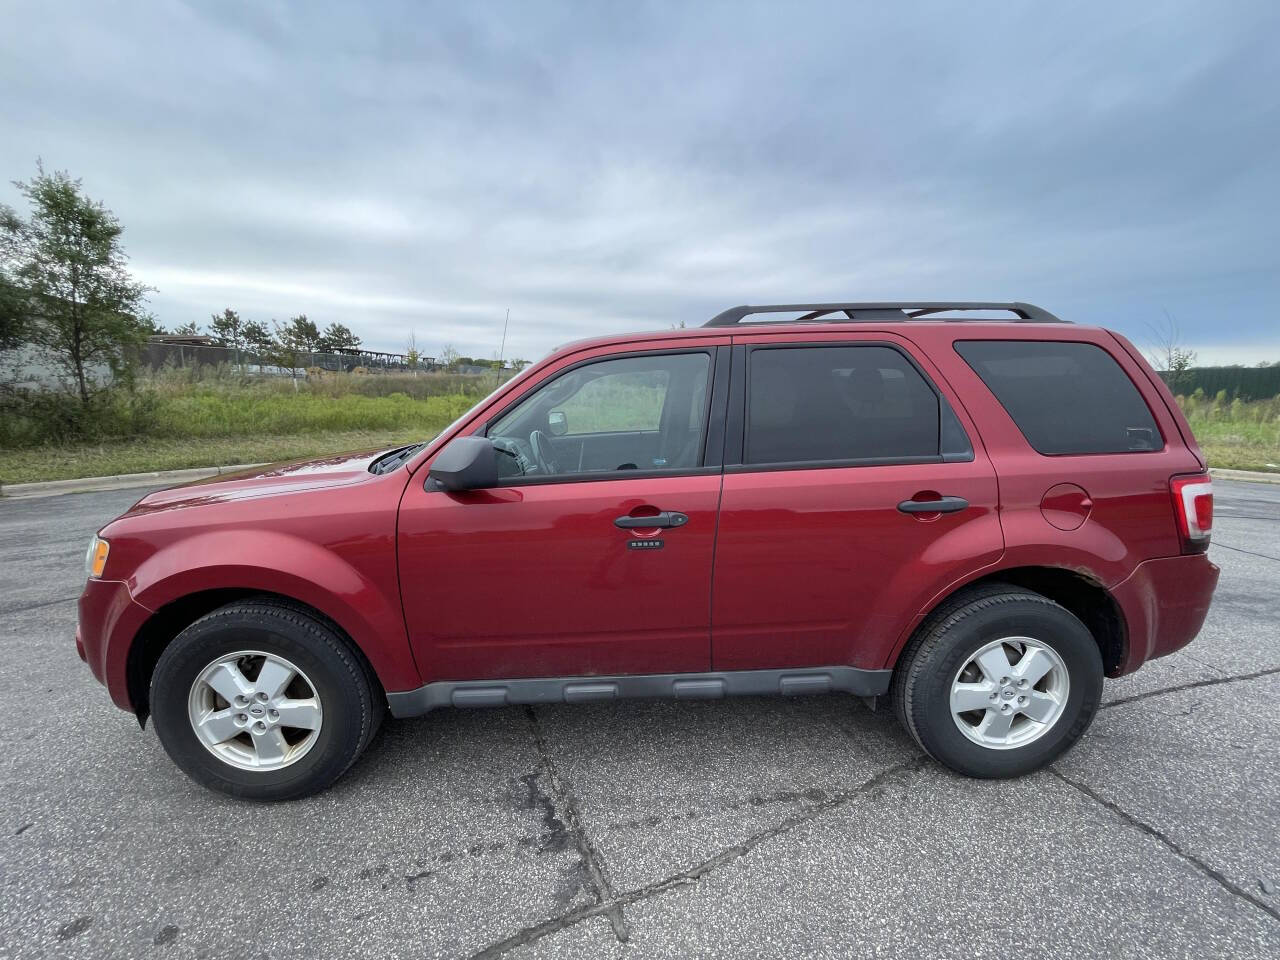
1227, 546
411, 880
1211, 682
755, 800
24, 607
592, 861
1228, 885
694, 874
1204, 663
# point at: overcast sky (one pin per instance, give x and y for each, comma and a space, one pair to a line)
600, 167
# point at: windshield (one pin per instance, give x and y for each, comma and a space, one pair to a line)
401, 455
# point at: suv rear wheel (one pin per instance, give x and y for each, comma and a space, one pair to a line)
999, 682
264, 701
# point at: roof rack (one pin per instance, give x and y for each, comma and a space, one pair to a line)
882, 312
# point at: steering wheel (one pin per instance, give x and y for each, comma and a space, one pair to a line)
542, 452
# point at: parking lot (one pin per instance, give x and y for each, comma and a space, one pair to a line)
801, 827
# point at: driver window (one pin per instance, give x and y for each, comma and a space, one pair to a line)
630, 413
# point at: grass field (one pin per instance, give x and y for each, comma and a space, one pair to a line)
219, 421
144, 455
1236, 434
223, 421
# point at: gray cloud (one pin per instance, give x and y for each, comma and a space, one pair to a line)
599, 167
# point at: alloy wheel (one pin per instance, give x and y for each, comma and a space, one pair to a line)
255, 710
1009, 693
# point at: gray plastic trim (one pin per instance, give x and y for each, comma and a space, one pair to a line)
680, 686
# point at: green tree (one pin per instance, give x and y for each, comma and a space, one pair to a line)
68, 261
338, 337
301, 332
13, 313
293, 339
449, 357
256, 336
227, 328
188, 329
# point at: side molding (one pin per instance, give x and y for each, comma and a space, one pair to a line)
678, 686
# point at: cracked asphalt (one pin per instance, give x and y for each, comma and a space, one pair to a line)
801, 827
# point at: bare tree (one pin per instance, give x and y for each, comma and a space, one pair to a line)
1167, 354
411, 352
449, 357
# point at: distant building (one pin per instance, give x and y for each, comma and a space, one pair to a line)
183, 340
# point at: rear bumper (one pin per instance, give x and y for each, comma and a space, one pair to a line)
1165, 603
109, 620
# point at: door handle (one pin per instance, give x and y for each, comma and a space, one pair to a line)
941, 505
667, 518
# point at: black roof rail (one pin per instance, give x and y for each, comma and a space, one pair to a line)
881, 312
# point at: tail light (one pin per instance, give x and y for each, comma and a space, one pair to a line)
1193, 506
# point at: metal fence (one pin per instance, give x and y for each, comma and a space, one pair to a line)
1248, 383
184, 356
27, 369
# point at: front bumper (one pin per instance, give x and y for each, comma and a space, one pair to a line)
1165, 603
109, 620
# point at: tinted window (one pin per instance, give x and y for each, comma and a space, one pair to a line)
628, 413
838, 403
1064, 397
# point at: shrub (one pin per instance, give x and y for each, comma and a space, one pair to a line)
30, 417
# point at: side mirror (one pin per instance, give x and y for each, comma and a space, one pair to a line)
557, 423
467, 463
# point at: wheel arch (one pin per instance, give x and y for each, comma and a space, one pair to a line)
190, 576
165, 623
1077, 591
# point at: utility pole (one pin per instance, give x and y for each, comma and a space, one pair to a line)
502, 351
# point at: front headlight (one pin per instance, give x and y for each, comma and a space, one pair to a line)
95, 558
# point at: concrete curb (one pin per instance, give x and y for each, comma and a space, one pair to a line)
123, 481
1249, 476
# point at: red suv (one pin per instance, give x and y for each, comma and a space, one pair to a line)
977, 510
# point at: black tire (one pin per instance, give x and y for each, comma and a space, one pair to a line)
350, 697
954, 633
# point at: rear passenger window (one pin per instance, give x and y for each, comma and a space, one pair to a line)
808, 404
1065, 397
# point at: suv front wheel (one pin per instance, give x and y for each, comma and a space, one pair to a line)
999, 682
264, 700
